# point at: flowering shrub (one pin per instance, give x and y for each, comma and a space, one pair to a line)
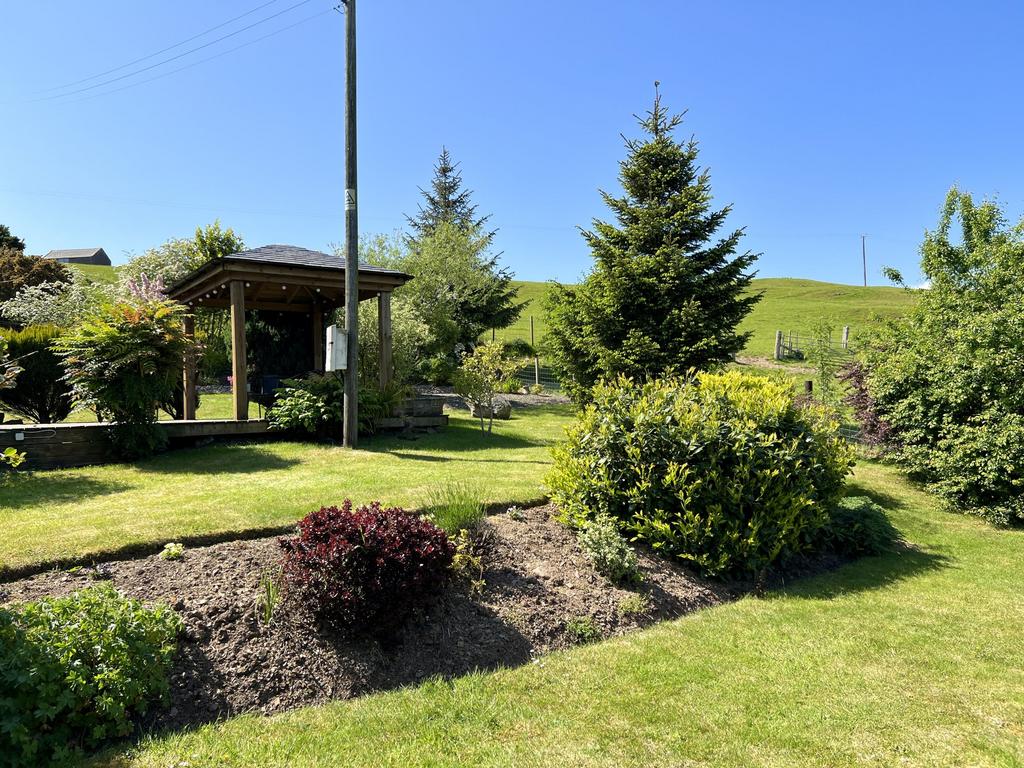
366, 569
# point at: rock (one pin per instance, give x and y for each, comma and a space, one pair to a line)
502, 409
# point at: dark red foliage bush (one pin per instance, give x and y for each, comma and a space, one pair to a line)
366, 569
874, 429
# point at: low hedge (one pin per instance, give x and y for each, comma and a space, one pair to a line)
724, 471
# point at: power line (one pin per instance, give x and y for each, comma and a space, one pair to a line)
162, 50
202, 61
173, 58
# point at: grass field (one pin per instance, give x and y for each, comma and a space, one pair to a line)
910, 659
97, 272
75, 513
788, 305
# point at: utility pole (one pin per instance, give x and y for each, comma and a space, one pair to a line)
351, 416
864, 257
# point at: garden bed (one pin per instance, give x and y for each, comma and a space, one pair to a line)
540, 594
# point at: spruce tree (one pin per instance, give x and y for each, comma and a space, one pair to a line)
666, 294
447, 201
460, 289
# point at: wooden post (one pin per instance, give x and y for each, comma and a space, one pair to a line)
319, 363
846, 337
384, 338
536, 357
240, 384
189, 377
350, 420
778, 345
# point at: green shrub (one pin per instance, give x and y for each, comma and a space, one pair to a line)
856, 527
316, 404
173, 550
454, 506
125, 361
40, 392
724, 471
610, 553
582, 629
75, 670
947, 380
299, 409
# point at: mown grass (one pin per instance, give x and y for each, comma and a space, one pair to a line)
221, 489
211, 407
788, 305
909, 659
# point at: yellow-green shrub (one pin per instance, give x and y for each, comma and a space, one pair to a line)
724, 471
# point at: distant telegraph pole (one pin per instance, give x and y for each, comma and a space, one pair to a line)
864, 257
351, 408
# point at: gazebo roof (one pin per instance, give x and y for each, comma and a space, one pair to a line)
283, 278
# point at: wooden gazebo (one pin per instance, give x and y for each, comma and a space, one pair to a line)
281, 278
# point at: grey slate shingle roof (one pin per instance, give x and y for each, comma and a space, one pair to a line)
73, 253
300, 257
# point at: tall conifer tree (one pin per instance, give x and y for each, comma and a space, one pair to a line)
666, 293
447, 201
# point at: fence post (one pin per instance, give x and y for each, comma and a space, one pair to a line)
846, 337
536, 357
778, 345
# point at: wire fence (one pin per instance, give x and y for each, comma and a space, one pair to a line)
797, 346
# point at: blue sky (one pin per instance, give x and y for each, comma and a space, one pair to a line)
819, 121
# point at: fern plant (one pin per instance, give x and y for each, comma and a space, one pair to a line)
125, 360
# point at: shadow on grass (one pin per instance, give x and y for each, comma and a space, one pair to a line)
48, 488
224, 458
905, 561
454, 438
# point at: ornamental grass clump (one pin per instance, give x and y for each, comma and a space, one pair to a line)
366, 569
724, 471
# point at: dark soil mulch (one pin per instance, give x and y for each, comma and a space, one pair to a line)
536, 579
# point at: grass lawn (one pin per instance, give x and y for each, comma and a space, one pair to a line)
912, 659
211, 407
74, 513
788, 305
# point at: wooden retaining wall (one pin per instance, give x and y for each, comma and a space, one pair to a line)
51, 446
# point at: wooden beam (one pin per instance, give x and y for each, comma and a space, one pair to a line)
384, 338
189, 378
319, 362
239, 382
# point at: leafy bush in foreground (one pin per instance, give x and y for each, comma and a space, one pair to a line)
75, 670
724, 471
40, 391
367, 568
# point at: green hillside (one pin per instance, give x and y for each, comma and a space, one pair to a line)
788, 305
97, 272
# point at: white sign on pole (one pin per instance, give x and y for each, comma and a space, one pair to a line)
337, 349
